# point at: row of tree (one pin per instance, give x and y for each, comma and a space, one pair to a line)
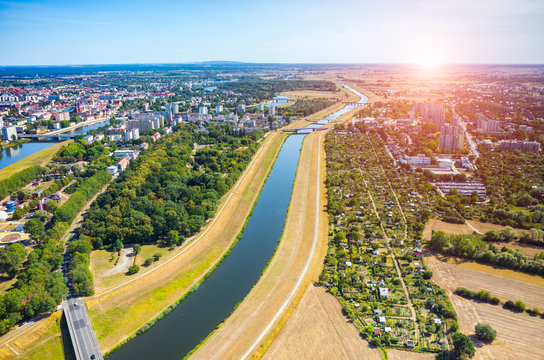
68, 211
16, 181
473, 247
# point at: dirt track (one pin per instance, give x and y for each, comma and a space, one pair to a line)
519, 336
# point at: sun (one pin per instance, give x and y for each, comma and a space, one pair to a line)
428, 63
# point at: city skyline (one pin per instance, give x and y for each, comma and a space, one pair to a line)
423, 32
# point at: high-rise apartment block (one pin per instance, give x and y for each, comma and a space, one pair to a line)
433, 113
451, 137
9, 133
488, 126
61, 116
521, 145
145, 122
172, 108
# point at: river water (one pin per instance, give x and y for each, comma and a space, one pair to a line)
201, 312
11, 155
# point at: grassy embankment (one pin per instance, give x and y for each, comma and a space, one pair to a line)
41, 158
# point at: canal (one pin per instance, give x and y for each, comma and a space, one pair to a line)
201, 312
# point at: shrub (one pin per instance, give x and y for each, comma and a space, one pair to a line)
485, 332
509, 304
148, 261
133, 269
427, 275
519, 306
466, 293
494, 300
454, 326
157, 256
533, 311
483, 295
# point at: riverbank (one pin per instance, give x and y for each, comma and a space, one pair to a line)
119, 312
13, 144
142, 298
289, 271
41, 158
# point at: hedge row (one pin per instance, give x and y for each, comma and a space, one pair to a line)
68, 211
16, 181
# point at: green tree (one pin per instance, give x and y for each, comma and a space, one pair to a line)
463, 345
137, 249
485, 332
133, 269
18, 213
173, 238
11, 259
34, 227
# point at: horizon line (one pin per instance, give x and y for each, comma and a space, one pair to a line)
235, 62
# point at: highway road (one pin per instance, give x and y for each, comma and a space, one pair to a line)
81, 331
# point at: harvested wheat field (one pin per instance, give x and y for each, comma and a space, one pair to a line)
312, 94
317, 329
394, 354
519, 336
439, 225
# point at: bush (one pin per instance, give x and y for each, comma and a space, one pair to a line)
157, 256
509, 305
427, 275
133, 269
454, 326
533, 312
485, 332
494, 300
483, 295
466, 293
148, 261
519, 306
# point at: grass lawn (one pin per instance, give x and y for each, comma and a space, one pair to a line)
5, 284
42, 157
102, 260
150, 250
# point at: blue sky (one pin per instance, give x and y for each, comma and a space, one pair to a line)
55, 32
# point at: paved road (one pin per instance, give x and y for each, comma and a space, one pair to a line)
81, 331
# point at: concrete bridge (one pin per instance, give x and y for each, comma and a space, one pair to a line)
305, 130
81, 331
45, 137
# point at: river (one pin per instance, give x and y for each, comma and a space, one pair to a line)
201, 312
13, 154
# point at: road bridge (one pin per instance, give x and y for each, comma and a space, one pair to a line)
305, 130
81, 331
59, 137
